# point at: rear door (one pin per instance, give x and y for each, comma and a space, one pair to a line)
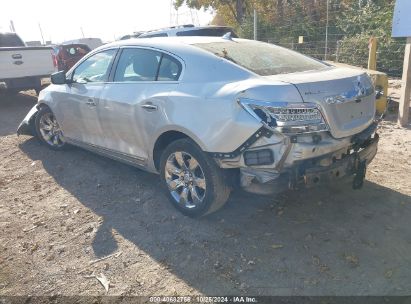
132, 102
76, 106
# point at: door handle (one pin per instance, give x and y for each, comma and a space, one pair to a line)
149, 107
91, 102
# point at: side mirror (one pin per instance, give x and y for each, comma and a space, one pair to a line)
58, 78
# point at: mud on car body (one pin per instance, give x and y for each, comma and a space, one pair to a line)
210, 113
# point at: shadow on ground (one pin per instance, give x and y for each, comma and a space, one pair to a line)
13, 108
317, 242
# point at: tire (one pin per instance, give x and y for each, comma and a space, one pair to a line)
48, 130
194, 190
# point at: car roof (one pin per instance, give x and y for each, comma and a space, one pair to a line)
182, 46
170, 41
184, 28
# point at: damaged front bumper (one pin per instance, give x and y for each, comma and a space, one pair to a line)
26, 127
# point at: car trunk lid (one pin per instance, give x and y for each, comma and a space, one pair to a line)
345, 96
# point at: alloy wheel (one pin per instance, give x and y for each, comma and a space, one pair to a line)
50, 130
185, 179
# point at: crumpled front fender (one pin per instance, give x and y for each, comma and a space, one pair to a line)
26, 127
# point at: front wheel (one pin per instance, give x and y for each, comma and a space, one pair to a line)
194, 183
48, 129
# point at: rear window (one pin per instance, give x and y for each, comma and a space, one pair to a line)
210, 32
154, 35
75, 50
262, 58
10, 40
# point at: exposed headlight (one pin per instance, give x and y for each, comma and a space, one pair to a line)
286, 117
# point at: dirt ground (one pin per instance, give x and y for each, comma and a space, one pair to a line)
62, 211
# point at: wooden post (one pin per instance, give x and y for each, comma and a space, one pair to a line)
337, 52
404, 107
372, 57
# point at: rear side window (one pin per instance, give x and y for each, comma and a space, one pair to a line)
10, 40
137, 64
170, 69
154, 35
210, 32
74, 51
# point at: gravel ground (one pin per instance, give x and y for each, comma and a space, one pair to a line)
60, 212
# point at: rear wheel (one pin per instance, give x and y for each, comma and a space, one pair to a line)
48, 129
194, 183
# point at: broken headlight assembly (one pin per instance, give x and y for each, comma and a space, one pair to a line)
285, 117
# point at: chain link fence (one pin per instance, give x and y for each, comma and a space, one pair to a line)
343, 46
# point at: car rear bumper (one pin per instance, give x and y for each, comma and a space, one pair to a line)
24, 83
309, 173
348, 166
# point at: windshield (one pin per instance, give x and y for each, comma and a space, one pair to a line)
10, 40
262, 58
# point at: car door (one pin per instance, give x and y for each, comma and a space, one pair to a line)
132, 101
77, 109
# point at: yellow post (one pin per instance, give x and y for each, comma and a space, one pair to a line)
372, 57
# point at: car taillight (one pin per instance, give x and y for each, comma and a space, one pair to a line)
286, 117
55, 63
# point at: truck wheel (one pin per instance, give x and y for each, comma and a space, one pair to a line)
193, 182
48, 130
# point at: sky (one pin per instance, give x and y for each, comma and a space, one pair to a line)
108, 20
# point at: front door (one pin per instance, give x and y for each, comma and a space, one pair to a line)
77, 111
132, 102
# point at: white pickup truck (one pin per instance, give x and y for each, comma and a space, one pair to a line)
22, 67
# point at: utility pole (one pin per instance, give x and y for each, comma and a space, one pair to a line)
12, 26
255, 25
41, 33
326, 33
171, 12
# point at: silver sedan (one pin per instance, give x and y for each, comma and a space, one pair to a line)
209, 114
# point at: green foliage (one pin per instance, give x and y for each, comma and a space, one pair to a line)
365, 19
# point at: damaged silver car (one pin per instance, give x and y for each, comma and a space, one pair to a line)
210, 113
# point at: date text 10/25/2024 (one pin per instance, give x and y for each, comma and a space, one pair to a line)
203, 299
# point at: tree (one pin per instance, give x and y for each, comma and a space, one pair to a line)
235, 8
358, 21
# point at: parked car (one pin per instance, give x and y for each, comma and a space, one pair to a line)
210, 113
66, 55
131, 36
92, 43
189, 30
22, 67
